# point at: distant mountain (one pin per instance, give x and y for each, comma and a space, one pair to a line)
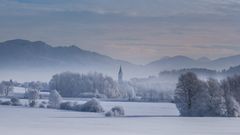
202, 72
204, 59
180, 62
176, 62
28, 60
225, 62
23, 55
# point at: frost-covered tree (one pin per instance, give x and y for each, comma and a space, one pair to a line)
2, 87
234, 86
127, 91
233, 107
55, 99
74, 85
35, 85
6, 87
216, 101
189, 95
194, 97
33, 96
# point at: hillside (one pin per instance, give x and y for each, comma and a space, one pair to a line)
180, 62
18, 56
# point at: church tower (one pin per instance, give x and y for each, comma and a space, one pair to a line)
120, 75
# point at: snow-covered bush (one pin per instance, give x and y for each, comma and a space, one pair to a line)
117, 111
15, 101
109, 114
54, 99
92, 106
77, 107
6, 103
32, 103
32, 96
66, 106
42, 105
44, 102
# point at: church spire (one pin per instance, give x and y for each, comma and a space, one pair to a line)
120, 75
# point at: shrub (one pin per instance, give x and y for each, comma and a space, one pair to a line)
32, 96
116, 111
42, 105
6, 103
92, 106
66, 106
32, 103
77, 107
15, 101
44, 102
109, 114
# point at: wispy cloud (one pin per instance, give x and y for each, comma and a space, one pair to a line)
134, 30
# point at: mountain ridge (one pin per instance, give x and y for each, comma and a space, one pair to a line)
24, 55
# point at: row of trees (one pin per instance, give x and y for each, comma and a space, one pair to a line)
35, 85
54, 98
194, 97
154, 89
75, 85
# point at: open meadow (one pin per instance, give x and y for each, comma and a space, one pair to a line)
140, 119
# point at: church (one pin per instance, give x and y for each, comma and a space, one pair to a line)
126, 89
120, 75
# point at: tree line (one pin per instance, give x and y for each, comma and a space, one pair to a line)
195, 97
76, 85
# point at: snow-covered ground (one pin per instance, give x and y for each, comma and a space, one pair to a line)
141, 119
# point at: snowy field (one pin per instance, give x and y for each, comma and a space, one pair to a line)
141, 119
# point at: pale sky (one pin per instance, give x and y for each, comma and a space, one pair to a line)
138, 31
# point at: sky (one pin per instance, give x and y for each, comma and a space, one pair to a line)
138, 31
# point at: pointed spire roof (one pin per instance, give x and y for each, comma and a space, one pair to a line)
120, 70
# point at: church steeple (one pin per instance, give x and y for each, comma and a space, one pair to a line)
120, 75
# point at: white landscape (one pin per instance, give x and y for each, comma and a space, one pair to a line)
119, 67
140, 119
